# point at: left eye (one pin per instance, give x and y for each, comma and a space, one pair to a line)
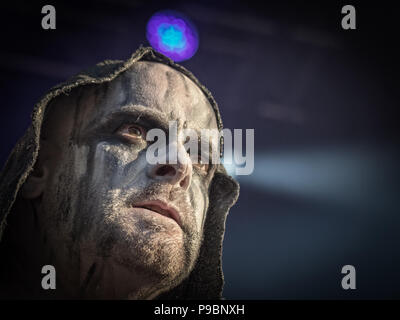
203, 168
131, 131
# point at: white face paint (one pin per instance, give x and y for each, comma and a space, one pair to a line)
115, 221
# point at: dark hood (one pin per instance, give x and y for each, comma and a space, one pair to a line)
206, 279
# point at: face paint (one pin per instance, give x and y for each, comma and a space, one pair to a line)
117, 220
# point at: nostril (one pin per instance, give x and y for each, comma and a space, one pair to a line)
166, 171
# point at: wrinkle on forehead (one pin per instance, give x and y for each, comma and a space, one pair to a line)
158, 86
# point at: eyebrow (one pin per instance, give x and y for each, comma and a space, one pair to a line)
143, 115
140, 114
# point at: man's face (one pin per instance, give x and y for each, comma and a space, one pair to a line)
114, 221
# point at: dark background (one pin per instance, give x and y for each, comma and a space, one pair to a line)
322, 101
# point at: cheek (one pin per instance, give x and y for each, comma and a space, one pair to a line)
116, 167
199, 202
97, 172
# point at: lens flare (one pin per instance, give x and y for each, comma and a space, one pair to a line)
172, 34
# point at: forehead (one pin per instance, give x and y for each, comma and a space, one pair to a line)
158, 87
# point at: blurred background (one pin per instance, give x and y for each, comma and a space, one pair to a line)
322, 100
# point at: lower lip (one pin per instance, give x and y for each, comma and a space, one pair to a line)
148, 211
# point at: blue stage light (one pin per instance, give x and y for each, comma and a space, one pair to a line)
173, 35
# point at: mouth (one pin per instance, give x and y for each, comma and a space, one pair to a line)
160, 207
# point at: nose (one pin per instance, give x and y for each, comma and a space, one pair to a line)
177, 174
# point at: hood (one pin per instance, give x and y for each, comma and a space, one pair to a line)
206, 279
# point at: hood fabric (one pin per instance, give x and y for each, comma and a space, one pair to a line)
206, 280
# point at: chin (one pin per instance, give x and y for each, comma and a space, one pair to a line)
158, 251
149, 246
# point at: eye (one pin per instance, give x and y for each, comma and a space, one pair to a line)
203, 168
131, 132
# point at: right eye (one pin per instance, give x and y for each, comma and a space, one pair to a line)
131, 132
203, 168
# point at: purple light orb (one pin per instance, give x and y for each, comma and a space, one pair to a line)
172, 34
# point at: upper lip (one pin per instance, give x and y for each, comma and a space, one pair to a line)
160, 207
